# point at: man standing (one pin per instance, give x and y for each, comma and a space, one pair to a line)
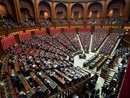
1, 64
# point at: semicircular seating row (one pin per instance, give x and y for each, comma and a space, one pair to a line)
42, 52
37, 59
68, 39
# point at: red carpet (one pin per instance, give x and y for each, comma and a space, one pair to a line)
125, 90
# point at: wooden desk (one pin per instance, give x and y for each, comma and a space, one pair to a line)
16, 65
27, 87
62, 74
74, 73
25, 61
104, 73
43, 87
100, 64
85, 64
69, 89
68, 74
78, 72
81, 71
85, 72
52, 84
25, 83
36, 79
59, 79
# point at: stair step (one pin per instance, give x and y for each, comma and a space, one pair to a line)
107, 81
109, 78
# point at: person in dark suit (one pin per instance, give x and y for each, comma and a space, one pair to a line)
11, 63
103, 90
86, 95
96, 76
92, 96
23, 95
1, 64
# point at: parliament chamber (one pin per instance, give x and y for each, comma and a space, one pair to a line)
64, 48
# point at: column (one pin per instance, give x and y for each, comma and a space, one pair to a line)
53, 12
69, 12
85, 11
17, 9
104, 10
87, 4
126, 11
36, 11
